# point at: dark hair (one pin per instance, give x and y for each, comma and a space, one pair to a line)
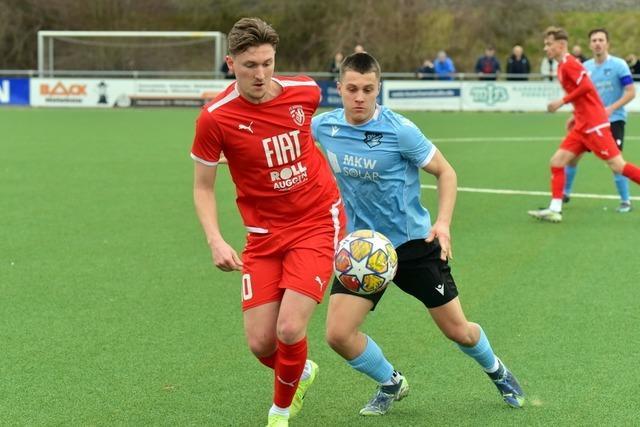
599, 30
557, 33
361, 62
251, 32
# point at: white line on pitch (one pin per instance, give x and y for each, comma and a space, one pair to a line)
530, 193
514, 139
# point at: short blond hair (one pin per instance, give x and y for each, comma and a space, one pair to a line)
557, 33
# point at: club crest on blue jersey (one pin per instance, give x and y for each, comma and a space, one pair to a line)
372, 139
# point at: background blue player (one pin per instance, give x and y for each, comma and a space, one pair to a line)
376, 156
612, 77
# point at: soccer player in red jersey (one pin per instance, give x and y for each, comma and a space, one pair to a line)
288, 200
588, 128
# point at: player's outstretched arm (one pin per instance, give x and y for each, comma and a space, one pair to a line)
224, 256
447, 190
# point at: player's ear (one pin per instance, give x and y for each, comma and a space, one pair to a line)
339, 87
229, 60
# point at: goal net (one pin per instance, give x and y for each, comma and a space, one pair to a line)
162, 53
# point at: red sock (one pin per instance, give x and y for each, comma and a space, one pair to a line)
289, 367
269, 361
557, 182
632, 172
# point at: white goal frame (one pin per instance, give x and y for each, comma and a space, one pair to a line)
46, 38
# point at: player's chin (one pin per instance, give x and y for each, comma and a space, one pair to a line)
258, 93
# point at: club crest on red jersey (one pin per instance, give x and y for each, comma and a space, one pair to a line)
297, 114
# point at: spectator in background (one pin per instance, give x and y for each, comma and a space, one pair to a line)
548, 68
576, 51
518, 63
634, 65
426, 71
358, 49
224, 69
443, 66
487, 66
334, 68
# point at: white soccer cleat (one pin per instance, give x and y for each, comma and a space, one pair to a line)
546, 215
624, 207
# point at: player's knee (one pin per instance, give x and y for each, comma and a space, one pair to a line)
557, 163
616, 165
290, 331
337, 338
261, 346
460, 334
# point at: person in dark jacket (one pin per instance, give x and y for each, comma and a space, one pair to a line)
426, 71
518, 65
634, 65
487, 65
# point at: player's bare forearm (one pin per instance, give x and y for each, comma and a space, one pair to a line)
628, 94
447, 191
224, 256
206, 209
205, 201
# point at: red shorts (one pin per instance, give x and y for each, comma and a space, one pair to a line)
600, 142
299, 257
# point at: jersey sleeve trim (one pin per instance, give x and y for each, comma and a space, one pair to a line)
230, 97
204, 162
429, 157
288, 83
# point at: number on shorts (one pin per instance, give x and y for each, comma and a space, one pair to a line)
247, 292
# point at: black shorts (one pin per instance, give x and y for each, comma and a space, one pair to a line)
421, 273
617, 130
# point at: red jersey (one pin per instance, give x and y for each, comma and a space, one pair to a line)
281, 177
588, 110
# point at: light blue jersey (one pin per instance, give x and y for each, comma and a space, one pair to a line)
377, 166
610, 78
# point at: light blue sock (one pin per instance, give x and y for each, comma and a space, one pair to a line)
622, 184
373, 363
569, 176
481, 352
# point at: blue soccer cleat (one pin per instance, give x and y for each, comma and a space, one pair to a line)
384, 396
508, 386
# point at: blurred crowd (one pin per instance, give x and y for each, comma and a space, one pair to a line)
488, 67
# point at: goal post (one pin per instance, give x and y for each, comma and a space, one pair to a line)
168, 43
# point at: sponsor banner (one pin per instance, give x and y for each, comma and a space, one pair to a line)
14, 91
509, 96
330, 96
108, 93
421, 95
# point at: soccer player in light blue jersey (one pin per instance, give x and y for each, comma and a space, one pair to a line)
612, 77
376, 156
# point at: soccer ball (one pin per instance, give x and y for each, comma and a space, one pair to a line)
365, 262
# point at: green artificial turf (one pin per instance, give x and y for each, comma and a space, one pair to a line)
111, 312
